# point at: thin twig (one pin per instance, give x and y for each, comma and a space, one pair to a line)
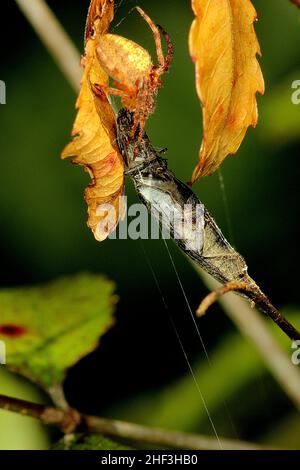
22, 407
215, 295
263, 303
161, 437
254, 294
252, 325
57, 396
54, 37
68, 421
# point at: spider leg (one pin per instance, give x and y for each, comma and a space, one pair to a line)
121, 86
138, 143
98, 89
156, 34
140, 121
116, 92
170, 51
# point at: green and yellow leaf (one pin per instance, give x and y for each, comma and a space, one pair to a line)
49, 328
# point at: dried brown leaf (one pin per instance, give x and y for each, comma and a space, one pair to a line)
93, 142
223, 45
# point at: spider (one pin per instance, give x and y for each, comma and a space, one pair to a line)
136, 79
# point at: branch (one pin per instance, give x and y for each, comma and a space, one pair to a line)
68, 422
254, 294
263, 303
22, 407
54, 37
161, 437
57, 396
296, 2
252, 325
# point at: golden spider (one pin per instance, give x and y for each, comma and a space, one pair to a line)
136, 79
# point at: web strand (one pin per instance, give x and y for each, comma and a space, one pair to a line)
123, 18
226, 206
181, 344
187, 302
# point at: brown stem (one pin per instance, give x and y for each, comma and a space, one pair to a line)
264, 305
68, 422
296, 2
250, 290
22, 407
211, 298
161, 437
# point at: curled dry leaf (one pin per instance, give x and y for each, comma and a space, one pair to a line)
223, 45
100, 15
94, 132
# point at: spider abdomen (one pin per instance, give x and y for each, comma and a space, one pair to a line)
124, 60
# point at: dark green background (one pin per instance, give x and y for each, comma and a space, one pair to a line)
43, 214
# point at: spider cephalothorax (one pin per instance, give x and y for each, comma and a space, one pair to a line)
136, 79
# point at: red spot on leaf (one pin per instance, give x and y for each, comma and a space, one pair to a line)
111, 160
12, 330
108, 164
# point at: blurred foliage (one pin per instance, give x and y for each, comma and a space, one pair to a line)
279, 103
286, 434
139, 371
